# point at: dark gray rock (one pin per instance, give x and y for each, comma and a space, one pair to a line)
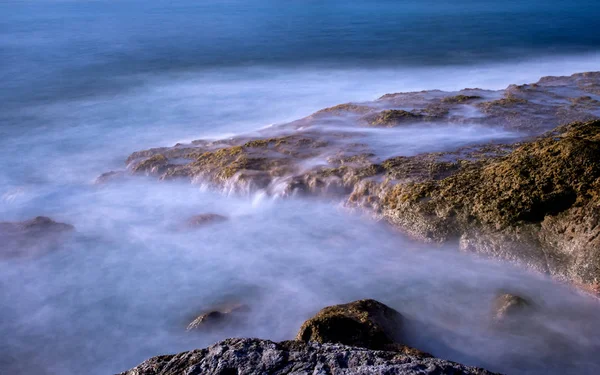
259, 357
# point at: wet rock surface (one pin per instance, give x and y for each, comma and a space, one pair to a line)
365, 323
253, 356
31, 238
531, 199
361, 337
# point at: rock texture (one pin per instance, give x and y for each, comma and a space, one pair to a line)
361, 337
532, 200
365, 323
258, 357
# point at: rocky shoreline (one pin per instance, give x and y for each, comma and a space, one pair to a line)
530, 195
530, 198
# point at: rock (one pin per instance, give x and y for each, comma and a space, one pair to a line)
536, 202
109, 176
31, 238
364, 323
258, 357
507, 306
538, 205
204, 219
218, 318
393, 117
152, 165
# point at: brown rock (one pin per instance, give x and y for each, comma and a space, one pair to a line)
216, 318
364, 323
508, 306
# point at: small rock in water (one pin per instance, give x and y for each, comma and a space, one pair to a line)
364, 323
31, 238
220, 317
204, 219
508, 306
109, 176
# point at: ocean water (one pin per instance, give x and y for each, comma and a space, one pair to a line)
83, 84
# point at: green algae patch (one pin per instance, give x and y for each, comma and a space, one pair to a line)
537, 179
152, 164
347, 108
457, 99
507, 102
393, 117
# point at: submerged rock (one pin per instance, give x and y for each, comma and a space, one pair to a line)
507, 306
258, 357
31, 238
364, 323
204, 219
218, 318
517, 206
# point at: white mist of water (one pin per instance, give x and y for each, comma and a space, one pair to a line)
125, 287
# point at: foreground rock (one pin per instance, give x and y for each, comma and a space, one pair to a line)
534, 200
258, 357
339, 339
31, 238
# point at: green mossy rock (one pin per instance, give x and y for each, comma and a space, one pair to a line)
364, 323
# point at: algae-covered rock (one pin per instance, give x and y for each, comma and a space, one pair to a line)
534, 202
528, 197
460, 98
154, 164
363, 323
393, 117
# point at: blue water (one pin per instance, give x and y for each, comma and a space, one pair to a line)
84, 83
59, 48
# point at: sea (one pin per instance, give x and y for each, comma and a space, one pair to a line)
84, 83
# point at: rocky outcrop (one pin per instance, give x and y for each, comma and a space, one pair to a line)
532, 200
31, 238
539, 204
257, 357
